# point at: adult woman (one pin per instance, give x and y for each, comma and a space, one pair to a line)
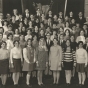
22, 41
16, 61
82, 60
67, 34
4, 63
16, 35
55, 58
35, 41
68, 58
81, 37
41, 59
29, 55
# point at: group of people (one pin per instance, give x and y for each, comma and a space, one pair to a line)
39, 44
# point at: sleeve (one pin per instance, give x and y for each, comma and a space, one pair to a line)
86, 57
61, 54
11, 55
8, 45
25, 55
36, 54
74, 56
50, 55
21, 55
47, 56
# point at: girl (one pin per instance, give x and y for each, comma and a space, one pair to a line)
81, 60
16, 61
41, 59
68, 61
4, 63
55, 58
29, 55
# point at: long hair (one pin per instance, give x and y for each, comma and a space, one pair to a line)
65, 48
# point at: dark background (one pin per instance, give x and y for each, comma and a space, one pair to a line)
72, 5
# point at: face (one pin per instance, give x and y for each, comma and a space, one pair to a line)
23, 29
54, 32
16, 44
41, 42
10, 37
16, 31
3, 45
22, 37
80, 14
26, 11
61, 37
71, 13
1, 36
15, 11
80, 45
36, 29
35, 37
30, 23
68, 43
31, 16
81, 33
55, 42
85, 27
86, 40
41, 32
50, 12
86, 19
73, 20
55, 17
67, 24
13, 18
5, 23
61, 30
29, 42
72, 38
67, 33
28, 32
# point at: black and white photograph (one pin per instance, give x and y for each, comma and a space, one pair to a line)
43, 43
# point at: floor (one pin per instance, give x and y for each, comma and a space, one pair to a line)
48, 83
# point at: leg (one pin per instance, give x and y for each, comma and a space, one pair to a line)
38, 77
83, 78
58, 76
68, 76
54, 76
41, 73
4, 79
14, 78
80, 78
18, 76
28, 78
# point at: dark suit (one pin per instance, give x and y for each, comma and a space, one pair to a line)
85, 47
49, 45
62, 44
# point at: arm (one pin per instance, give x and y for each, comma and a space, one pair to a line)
36, 55
86, 58
25, 55
11, 56
21, 55
61, 54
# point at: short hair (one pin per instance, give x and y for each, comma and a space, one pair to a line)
3, 42
9, 35
16, 41
80, 42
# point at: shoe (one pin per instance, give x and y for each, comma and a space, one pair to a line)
42, 85
68, 84
29, 85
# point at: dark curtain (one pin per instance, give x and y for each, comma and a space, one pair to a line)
9, 5
76, 6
